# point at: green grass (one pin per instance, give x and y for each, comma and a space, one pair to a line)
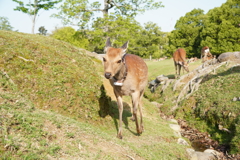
166, 67
53, 106
208, 107
214, 106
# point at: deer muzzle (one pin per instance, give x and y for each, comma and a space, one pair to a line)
107, 75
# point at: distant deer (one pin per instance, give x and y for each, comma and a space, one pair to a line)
128, 75
205, 54
179, 57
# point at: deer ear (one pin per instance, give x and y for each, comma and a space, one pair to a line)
108, 43
125, 46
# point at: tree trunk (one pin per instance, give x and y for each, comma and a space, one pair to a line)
105, 10
33, 23
34, 15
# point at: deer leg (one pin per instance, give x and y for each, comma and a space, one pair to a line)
132, 118
179, 70
176, 68
135, 100
140, 110
120, 110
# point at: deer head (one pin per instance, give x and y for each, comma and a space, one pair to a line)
113, 59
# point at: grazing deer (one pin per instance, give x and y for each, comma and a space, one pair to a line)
205, 54
128, 75
179, 57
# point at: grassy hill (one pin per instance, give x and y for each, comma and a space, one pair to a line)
54, 104
211, 108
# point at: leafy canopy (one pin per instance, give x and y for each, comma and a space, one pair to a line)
5, 24
83, 12
32, 8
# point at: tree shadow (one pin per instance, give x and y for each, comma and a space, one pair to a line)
171, 76
232, 70
110, 107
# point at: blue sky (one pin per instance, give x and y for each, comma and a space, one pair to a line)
164, 17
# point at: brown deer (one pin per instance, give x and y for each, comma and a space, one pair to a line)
205, 54
128, 75
179, 57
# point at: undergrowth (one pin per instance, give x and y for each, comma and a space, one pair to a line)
209, 109
212, 108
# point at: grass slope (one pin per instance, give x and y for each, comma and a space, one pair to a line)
209, 109
53, 105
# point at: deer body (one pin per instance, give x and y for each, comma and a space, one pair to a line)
205, 54
179, 57
134, 73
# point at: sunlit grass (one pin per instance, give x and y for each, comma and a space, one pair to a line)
53, 106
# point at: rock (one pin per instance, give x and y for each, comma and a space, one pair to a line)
213, 152
235, 99
229, 56
182, 142
175, 127
203, 156
161, 79
173, 120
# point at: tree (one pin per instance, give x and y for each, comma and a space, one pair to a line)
5, 24
68, 34
120, 29
42, 31
187, 33
151, 41
221, 31
32, 8
81, 12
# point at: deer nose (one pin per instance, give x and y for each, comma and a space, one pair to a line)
108, 75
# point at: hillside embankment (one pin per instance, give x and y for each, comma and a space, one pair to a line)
54, 105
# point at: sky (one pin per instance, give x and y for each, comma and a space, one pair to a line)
165, 18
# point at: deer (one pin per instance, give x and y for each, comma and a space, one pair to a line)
128, 75
205, 54
179, 57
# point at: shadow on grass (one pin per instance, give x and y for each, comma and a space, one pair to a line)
232, 70
109, 107
171, 76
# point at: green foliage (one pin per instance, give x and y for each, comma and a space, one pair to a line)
5, 24
120, 30
187, 32
218, 29
221, 31
42, 30
32, 8
68, 34
146, 41
151, 42
83, 12
212, 104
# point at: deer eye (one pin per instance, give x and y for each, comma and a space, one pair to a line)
104, 60
119, 61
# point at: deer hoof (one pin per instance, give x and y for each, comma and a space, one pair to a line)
119, 136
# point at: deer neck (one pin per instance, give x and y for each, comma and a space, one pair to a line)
122, 73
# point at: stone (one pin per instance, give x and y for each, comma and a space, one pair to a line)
182, 142
173, 120
175, 127
213, 152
